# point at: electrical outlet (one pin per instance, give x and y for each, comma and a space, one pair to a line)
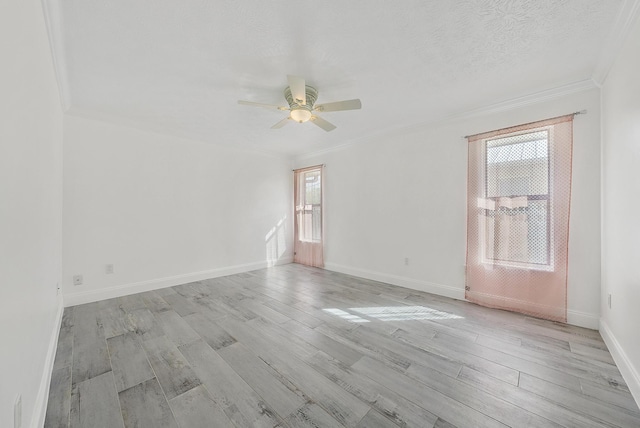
609, 300
108, 269
17, 412
406, 261
77, 279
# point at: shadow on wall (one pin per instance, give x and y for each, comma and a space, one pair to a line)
276, 243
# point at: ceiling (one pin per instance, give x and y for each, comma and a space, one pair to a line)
179, 67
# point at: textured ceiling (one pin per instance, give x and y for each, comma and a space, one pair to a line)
180, 66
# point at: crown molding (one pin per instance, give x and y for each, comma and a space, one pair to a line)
507, 105
526, 100
151, 128
310, 155
53, 22
621, 28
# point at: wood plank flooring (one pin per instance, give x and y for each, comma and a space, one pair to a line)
293, 346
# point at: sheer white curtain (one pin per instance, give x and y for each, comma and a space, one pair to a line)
308, 198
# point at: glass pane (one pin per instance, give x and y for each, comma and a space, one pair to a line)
518, 165
312, 188
316, 226
538, 237
518, 235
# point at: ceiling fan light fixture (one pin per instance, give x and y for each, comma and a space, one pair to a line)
300, 115
302, 103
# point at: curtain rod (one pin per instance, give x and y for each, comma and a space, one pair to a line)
575, 113
324, 165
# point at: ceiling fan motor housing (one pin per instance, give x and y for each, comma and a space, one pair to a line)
311, 94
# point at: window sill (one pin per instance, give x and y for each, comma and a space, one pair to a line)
540, 268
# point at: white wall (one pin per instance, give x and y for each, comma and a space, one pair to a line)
30, 209
165, 210
621, 226
403, 195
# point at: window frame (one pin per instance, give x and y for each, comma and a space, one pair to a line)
308, 209
549, 265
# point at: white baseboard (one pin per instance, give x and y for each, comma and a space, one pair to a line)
79, 298
414, 284
577, 318
583, 319
42, 399
625, 365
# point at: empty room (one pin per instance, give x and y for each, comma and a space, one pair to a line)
319, 214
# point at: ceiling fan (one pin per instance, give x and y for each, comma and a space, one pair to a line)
302, 105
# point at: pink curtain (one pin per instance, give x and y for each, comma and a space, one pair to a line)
308, 230
519, 193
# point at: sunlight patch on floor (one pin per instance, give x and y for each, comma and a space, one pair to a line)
393, 313
345, 315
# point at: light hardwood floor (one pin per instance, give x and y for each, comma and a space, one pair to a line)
303, 347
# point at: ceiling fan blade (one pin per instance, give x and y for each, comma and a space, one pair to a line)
298, 92
340, 105
282, 123
317, 120
267, 106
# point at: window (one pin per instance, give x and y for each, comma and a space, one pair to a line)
312, 208
517, 202
308, 190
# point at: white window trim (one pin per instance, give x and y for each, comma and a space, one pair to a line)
550, 267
